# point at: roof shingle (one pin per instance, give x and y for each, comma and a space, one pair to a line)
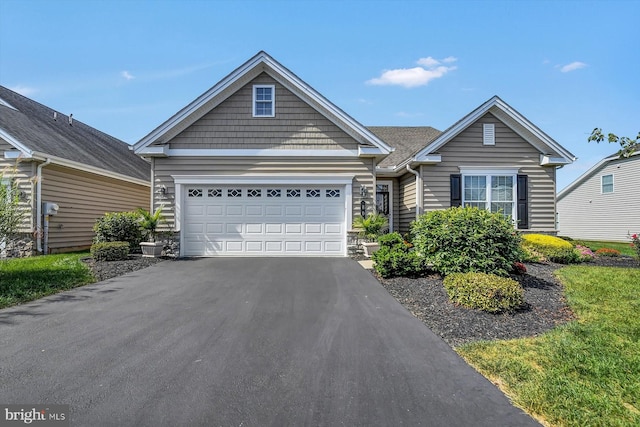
33, 125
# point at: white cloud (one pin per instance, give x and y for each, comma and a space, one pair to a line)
576, 65
127, 75
430, 69
24, 90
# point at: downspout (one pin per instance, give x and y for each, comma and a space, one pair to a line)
39, 203
418, 190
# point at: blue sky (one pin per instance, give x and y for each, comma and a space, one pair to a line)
126, 66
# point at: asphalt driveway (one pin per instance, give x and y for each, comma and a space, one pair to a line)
241, 342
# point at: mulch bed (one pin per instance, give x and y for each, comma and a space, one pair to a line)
545, 306
104, 270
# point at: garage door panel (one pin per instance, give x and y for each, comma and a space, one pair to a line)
273, 228
254, 228
233, 228
313, 210
264, 219
313, 228
215, 228
195, 210
271, 210
333, 228
254, 210
234, 210
254, 246
233, 246
215, 210
273, 246
293, 228
293, 246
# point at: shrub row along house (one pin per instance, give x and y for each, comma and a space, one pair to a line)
59, 161
263, 164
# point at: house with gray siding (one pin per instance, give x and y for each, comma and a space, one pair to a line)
603, 203
59, 160
263, 164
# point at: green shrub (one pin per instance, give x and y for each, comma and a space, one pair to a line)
485, 292
119, 227
396, 259
460, 240
551, 248
110, 251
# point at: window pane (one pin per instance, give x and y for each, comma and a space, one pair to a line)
505, 208
479, 205
475, 188
607, 184
502, 188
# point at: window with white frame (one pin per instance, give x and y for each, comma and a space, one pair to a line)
607, 184
492, 191
264, 101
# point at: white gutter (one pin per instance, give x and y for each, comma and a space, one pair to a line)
39, 203
418, 190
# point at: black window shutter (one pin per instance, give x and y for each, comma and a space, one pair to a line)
456, 190
523, 202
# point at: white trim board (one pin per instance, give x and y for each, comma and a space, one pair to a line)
244, 152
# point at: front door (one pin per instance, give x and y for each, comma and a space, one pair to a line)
384, 200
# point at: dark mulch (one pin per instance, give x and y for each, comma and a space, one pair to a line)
545, 306
104, 270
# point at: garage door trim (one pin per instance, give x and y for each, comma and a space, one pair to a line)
181, 181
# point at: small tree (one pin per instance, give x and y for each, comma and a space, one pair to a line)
372, 226
628, 146
11, 213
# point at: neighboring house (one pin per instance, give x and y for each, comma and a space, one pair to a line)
603, 203
63, 161
262, 164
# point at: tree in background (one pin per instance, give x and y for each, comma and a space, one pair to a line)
628, 146
11, 213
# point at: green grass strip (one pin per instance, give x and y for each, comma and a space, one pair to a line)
27, 279
624, 248
585, 373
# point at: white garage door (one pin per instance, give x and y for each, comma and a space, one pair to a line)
264, 220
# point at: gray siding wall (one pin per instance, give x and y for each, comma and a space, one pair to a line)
510, 150
407, 202
230, 125
84, 197
163, 168
586, 213
23, 171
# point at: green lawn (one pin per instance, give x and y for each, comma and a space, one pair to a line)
624, 248
27, 279
585, 373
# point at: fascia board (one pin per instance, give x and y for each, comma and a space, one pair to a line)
15, 143
91, 169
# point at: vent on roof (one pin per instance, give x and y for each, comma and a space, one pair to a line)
71, 119
488, 134
55, 116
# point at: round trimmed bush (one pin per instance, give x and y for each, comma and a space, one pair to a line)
119, 227
551, 248
461, 240
110, 251
486, 292
396, 259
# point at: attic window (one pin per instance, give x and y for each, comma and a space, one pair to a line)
264, 101
488, 134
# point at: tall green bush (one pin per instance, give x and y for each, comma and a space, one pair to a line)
461, 240
118, 227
